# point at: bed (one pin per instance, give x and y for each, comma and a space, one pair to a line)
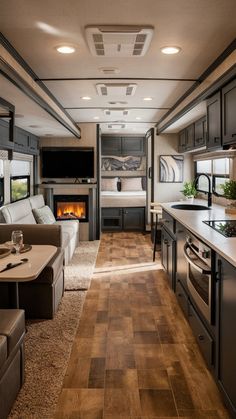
127, 199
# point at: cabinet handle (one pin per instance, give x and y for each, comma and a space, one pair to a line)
165, 241
200, 337
179, 295
218, 274
233, 135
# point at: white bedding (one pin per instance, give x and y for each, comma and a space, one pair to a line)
123, 199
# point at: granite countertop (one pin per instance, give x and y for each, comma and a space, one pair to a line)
193, 221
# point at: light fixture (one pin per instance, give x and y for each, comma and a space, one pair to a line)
96, 117
65, 49
170, 50
147, 98
86, 97
138, 118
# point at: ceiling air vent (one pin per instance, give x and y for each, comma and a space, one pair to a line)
116, 112
118, 41
116, 89
116, 126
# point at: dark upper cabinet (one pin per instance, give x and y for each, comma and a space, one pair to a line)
182, 141
227, 330
111, 146
24, 142
133, 146
123, 146
228, 113
200, 133
5, 142
189, 144
213, 139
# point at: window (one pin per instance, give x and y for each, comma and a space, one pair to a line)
217, 170
20, 180
20, 187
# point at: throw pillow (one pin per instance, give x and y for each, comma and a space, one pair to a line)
109, 184
44, 215
131, 184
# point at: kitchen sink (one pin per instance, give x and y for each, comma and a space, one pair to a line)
190, 207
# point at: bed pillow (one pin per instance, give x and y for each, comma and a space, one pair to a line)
109, 184
131, 184
43, 215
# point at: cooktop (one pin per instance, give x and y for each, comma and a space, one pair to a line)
225, 227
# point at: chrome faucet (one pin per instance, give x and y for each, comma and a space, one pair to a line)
209, 193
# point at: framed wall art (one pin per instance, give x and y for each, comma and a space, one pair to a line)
171, 169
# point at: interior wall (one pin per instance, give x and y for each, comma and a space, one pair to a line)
167, 144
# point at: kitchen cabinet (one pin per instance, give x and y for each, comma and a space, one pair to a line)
5, 142
123, 146
227, 330
181, 263
182, 141
168, 256
213, 139
200, 133
228, 113
189, 144
127, 219
33, 145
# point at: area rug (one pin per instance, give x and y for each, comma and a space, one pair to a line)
79, 272
48, 345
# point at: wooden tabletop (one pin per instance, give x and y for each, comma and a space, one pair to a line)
38, 257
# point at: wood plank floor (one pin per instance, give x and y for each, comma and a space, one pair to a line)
134, 355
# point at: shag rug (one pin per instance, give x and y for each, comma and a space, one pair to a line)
79, 272
48, 345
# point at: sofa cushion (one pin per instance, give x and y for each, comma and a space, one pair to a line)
3, 350
51, 271
12, 326
44, 215
70, 226
18, 213
36, 201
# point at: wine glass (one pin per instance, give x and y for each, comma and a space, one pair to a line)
17, 240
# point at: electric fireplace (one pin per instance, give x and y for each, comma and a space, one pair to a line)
71, 207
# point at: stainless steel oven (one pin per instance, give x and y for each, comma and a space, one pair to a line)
199, 275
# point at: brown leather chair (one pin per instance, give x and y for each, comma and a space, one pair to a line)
12, 331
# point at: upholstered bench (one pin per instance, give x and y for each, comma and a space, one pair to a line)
40, 298
12, 331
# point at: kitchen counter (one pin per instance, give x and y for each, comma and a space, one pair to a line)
193, 221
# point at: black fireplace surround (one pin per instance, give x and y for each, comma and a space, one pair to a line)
71, 207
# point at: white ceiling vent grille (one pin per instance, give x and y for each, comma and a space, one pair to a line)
118, 41
116, 89
116, 112
116, 126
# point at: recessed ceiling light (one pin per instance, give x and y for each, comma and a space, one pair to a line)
170, 50
96, 117
65, 49
147, 98
138, 118
86, 97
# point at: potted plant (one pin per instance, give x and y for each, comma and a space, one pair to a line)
189, 190
229, 192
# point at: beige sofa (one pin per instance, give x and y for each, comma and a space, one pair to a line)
63, 234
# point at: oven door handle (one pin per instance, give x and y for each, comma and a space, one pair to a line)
196, 266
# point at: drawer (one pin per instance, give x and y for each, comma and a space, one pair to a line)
111, 212
203, 338
168, 222
182, 298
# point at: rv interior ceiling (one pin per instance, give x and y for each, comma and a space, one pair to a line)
114, 59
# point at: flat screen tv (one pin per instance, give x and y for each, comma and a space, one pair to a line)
67, 162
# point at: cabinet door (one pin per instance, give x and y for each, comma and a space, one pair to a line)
199, 133
5, 135
214, 122
181, 263
182, 141
111, 146
228, 113
21, 142
227, 330
168, 257
133, 146
189, 137
133, 219
111, 219
203, 338
33, 145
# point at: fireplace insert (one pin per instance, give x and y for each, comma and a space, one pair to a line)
71, 207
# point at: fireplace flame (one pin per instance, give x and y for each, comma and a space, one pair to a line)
71, 210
